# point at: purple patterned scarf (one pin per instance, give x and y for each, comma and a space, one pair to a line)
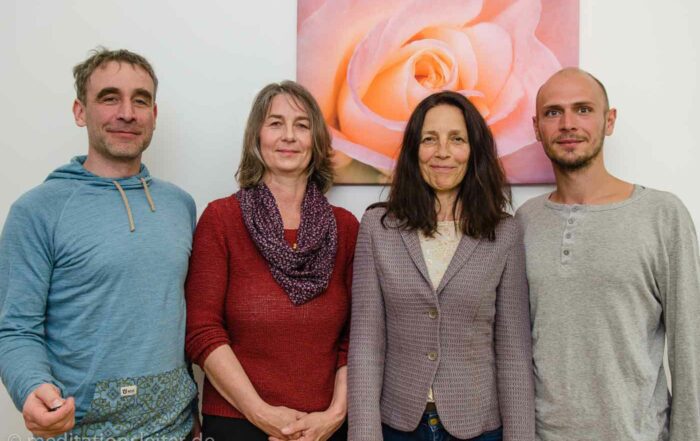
303, 272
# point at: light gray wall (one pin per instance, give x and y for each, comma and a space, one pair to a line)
213, 56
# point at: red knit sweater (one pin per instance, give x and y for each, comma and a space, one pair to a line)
290, 353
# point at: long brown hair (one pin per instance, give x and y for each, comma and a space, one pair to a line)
483, 197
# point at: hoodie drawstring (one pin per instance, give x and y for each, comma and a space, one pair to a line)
132, 226
148, 194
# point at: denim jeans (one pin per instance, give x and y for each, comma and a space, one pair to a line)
430, 429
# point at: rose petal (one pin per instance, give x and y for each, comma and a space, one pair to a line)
359, 122
360, 152
513, 129
326, 40
477, 99
558, 29
306, 8
533, 63
492, 8
520, 21
395, 91
507, 100
363, 126
528, 165
462, 49
494, 53
370, 54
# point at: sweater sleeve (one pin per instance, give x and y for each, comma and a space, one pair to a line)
679, 288
367, 342
26, 264
205, 289
350, 239
516, 393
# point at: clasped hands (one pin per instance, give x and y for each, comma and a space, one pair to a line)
283, 423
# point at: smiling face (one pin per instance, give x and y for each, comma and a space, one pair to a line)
285, 138
119, 112
444, 150
573, 120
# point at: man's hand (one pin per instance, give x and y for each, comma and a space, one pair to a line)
46, 414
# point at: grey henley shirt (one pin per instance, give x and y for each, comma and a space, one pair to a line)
607, 284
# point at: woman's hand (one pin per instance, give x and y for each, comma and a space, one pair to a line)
319, 426
225, 372
272, 419
316, 426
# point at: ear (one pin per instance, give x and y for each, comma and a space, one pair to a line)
155, 115
79, 113
534, 127
610, 121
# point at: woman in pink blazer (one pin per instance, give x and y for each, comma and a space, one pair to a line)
440, 334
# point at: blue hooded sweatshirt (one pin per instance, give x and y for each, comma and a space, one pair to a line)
92, 300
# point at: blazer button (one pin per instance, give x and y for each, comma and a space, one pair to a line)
432, 356
433, 313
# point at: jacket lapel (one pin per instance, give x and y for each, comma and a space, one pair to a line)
410, 239
465, 249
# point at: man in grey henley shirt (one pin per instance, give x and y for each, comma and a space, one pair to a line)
613, 270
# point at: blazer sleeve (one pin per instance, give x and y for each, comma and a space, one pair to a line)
513, 343
367, 341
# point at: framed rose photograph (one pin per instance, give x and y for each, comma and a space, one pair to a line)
370, 62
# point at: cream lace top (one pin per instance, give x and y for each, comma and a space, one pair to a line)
437, 253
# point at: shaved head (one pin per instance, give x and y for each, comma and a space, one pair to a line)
569, 72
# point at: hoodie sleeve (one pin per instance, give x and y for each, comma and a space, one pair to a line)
26, 264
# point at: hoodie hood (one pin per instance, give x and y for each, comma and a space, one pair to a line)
75, 170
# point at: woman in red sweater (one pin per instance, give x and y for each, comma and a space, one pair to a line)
268, 287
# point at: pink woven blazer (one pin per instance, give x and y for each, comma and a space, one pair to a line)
469, 337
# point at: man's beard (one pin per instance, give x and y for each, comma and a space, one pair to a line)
117, 153
575, 164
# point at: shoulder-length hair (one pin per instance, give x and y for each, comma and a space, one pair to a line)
252, 167
482, 196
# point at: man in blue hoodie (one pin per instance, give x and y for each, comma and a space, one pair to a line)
92, 312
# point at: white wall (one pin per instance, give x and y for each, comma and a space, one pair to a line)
212, 57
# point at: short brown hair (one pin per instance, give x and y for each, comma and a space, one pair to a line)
102, 55
252, 167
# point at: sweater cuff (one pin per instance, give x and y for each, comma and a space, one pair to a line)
200, 358
26, 389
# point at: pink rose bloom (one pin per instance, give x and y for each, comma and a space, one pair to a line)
369, 62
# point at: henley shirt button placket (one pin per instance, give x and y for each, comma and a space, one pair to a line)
568, 235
